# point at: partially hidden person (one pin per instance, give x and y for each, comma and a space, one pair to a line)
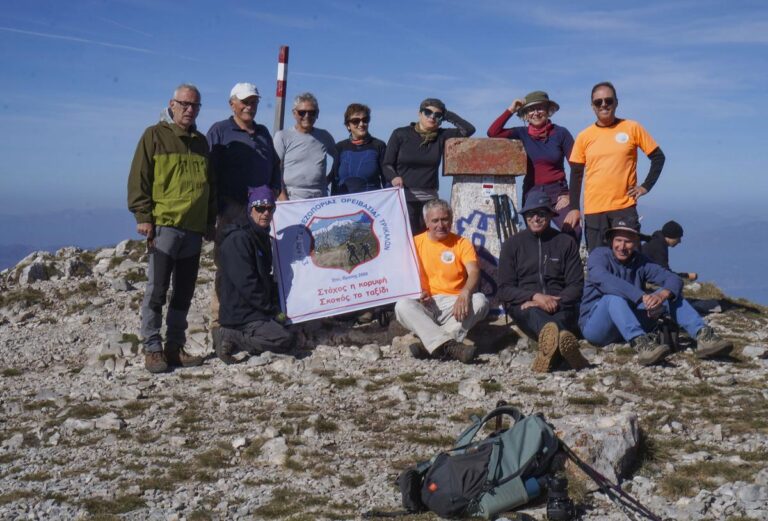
658, 244
541, 279
547, 147
414, 153
449, 305
303, 150
616, 307
604, 156
249, 314
172, 197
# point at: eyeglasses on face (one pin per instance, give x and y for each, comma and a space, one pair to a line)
187, 104
264, 209
250, 101
541, 214
357, 121
599, 102
438, 116
307, 113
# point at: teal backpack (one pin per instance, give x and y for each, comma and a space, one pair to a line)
486, 477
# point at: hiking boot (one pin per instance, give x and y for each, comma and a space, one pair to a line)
546, 357
178, 357
569, 349
649, 350
154, 362
418, 351
453, 350
709, 344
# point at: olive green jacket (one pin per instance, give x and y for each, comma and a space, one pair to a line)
170, 183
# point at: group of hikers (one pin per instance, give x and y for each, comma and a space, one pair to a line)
184, 187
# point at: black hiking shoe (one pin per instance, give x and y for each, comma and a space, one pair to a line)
649, 350
709, 344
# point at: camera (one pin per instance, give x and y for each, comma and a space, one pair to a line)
559, 505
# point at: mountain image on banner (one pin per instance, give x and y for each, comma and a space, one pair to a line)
343, 241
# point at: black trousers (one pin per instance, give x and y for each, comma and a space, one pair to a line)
531, 320
415, 215
258, 336
596, 224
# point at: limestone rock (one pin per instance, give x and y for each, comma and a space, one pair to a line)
607, 443
275, 451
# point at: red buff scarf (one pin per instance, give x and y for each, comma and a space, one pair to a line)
541, 133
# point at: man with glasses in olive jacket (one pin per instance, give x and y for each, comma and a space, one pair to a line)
171, 194
541, 279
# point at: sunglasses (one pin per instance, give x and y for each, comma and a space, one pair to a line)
357, 121
432, 114
541, 214
307, 113
599, 102
186, 104
250, 101
264, 209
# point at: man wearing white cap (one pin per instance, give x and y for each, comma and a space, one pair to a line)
242, 155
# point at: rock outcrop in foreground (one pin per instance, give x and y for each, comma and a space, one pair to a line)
87, 433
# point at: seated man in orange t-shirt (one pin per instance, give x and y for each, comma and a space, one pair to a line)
449, 305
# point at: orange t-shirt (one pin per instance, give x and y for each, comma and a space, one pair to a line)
610, 158
442, 263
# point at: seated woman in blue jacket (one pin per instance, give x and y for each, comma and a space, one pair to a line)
616, 308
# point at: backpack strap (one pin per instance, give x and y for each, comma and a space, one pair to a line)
466, 437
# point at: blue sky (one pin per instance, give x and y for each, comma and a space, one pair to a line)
82, 79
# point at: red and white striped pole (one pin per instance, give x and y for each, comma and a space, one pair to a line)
282, 82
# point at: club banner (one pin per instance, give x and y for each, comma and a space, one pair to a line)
343, 253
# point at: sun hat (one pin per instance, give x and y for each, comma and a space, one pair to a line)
625, 224
535, 98
536, 199
243, 91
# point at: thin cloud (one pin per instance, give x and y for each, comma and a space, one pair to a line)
123, 26
292, 21
77, 40
368, 80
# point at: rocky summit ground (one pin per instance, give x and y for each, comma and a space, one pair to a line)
87, 433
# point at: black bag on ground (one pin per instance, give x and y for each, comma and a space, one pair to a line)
483, 478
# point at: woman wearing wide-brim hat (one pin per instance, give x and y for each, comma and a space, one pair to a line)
547, 146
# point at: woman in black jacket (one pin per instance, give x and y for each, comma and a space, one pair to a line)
414, 153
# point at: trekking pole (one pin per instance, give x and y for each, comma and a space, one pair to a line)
510, 224
497, 211
614, 492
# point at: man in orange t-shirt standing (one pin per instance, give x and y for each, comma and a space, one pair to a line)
449, 305
608, 151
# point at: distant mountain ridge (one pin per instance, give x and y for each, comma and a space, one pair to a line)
728, 251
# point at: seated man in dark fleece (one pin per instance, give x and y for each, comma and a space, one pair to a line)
657, 246
616, 308
247, 289
540, 282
